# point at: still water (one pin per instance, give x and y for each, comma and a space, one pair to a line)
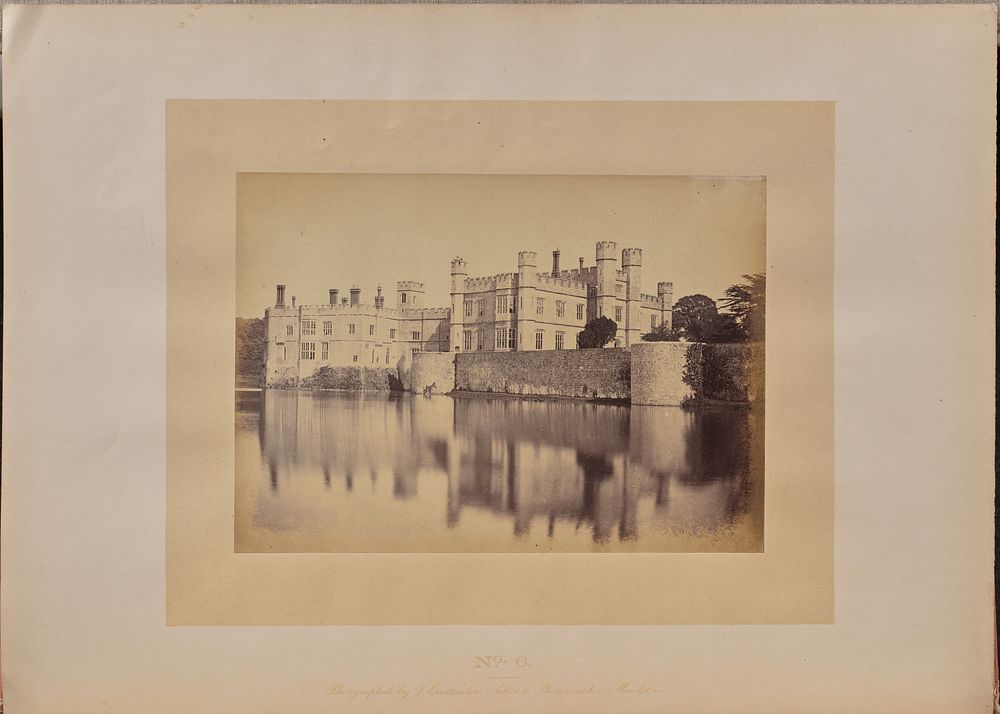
352, 472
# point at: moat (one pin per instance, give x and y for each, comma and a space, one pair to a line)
364, 472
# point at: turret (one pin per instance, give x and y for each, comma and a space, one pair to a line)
665, 292
409, 294
459, 272
527, 264
607, 277
632, 266
279, 300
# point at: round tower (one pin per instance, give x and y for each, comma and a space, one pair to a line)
459, 272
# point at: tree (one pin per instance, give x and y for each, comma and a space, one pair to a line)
661, 333
250, 347
597, 333
695, 317
745, 303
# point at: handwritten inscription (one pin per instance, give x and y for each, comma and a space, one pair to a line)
406, 691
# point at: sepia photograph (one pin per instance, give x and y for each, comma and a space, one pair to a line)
499, 363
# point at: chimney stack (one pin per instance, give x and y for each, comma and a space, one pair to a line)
581, 264
293, 301
379, 300
555, 263
334, 292
355, 296
343, 301
279, 301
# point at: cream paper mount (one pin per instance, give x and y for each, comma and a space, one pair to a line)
126, 131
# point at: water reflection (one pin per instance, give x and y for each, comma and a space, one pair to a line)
375, 473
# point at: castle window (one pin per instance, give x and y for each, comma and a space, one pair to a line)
579, 311
652, 322
468, 308
392, 334
467, 340
481, 306
387, 356
325, 352
539, 336
289, 330
503, 304
618, 313
308, 327
354, 358
283, 353
560, 308
327, 327
308, 350
560, 338
415, 335
402, 297
350, 329
371, 329
506, 338
540, 306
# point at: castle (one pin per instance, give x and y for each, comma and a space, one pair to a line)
522, 311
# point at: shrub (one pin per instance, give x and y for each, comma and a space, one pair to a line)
597, 333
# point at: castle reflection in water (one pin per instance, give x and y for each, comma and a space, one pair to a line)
342, 472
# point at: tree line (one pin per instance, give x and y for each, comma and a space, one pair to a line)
696, 318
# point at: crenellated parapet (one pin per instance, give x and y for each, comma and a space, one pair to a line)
410, 285
459, 266
490, 282
432, 313
564, 285
527, 258
650, 301
607, 250
632, 257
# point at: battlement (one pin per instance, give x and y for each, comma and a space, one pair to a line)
410, 285
664, 287
632, 257
607, 250
459, 267
490, 282
587, 276
527, 258
650, 300
433, 312
568, 285
622, 276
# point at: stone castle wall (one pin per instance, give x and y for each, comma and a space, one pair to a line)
432, 369
658, 372
586, 374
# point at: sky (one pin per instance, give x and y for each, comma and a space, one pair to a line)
313, 232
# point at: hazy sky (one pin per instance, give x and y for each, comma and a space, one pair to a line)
313, 232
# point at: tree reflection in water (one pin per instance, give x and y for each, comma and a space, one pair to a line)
460, 467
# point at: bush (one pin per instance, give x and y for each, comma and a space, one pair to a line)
662, 333
597, 333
